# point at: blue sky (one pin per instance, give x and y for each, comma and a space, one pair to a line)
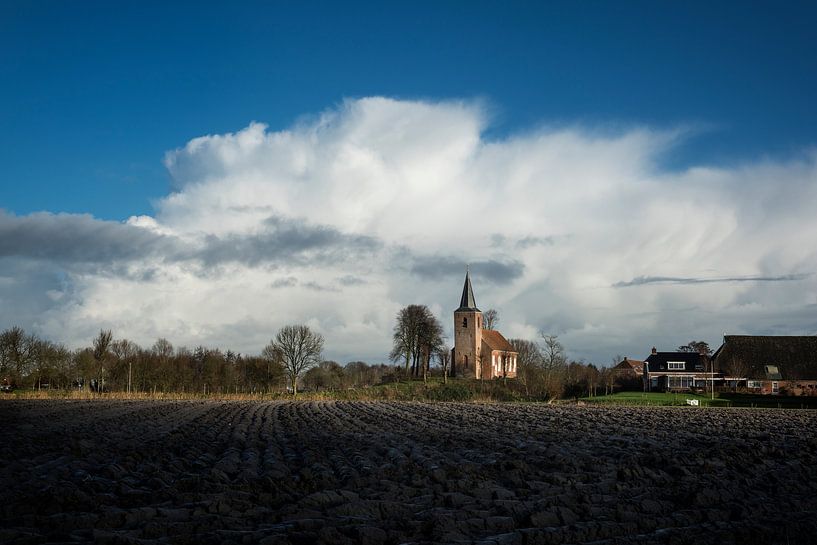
94, 93
180, 169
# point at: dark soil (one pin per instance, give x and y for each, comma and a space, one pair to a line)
373, 472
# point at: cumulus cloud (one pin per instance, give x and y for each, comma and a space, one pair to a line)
345, 217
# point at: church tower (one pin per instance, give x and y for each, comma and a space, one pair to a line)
467, 362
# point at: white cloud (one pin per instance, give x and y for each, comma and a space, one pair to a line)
341, 220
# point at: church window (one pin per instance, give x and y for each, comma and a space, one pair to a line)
465, 322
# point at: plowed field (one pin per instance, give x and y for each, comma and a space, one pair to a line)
357, 472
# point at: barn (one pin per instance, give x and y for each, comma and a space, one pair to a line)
769, 364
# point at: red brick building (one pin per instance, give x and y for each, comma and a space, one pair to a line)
479, 353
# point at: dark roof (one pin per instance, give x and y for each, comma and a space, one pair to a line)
630, 365
467, 300
748, 355
693, 362
496, 341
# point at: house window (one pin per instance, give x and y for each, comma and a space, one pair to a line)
679, 382
675, 365
754, 384
775, 387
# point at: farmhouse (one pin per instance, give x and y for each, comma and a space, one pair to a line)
677, 371
769, 364
629, 374
479, 353
630, 367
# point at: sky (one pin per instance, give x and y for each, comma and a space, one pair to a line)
621, 174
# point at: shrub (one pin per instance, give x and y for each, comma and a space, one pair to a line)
450, 392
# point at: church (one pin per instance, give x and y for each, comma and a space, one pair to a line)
479, 353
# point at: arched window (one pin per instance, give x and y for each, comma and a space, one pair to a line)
465, 361
465, 322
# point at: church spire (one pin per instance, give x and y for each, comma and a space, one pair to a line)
467, 300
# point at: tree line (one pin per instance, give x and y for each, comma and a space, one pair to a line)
292, 357
544, 372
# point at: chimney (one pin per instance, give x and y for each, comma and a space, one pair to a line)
654, 351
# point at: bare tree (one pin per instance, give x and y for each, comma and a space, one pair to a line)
404, 343
300, 349
125, 352
356, 373
554, 362
430, 340
162, 351
101, 344
490, 318
736, 368
17, 353
41, 368
163, 348
529, 364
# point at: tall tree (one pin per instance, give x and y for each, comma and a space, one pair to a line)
404, 343
101, 344
125, 353
417, 337
444, 357
17, 354
430, 340
300, 349
529, 364
554, 363
59, 365
163, 348
490, 318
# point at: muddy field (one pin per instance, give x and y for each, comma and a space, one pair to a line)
356, 472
